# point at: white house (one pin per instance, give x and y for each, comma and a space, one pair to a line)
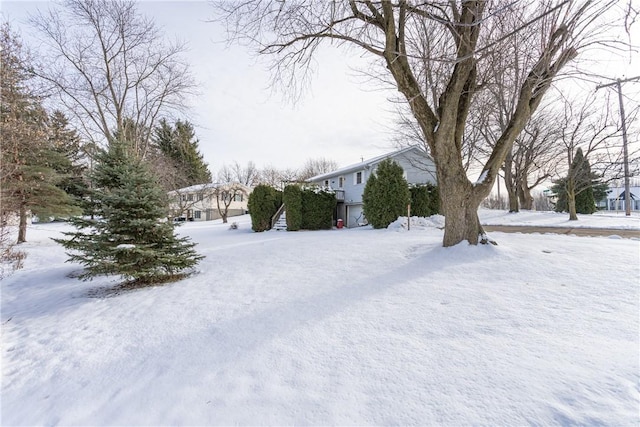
206, 202
348, 182
616, 199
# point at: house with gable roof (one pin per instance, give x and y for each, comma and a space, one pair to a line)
206, 202
348, 182
617, 198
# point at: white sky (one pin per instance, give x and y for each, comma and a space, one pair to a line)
239, 118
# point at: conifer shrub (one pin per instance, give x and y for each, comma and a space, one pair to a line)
434, 199
292, 199
130, 235
420, 199
386, 195
264, 202
318, 207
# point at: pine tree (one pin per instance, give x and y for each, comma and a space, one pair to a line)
130, 236
386, 195
29, 177
72, 168
179, 143
580, 187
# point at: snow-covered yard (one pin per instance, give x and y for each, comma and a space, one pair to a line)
340, 327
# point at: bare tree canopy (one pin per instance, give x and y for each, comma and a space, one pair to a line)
440, 56
313, 167
111, 66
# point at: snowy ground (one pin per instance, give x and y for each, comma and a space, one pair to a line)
337, 327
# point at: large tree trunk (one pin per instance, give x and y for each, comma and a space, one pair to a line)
459, 204
22, 228
509, 182
525, 197
571, 200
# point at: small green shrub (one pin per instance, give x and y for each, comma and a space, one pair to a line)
264, 202
292, 198
386, 195
317, 209
419, 201
425, 200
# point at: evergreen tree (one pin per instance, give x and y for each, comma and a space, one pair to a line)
72, 166
386, 195
580, 187
264, 202
180, 145
131, 236
29, 176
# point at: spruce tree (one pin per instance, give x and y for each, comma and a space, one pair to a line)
28, 179
180, 145
130, 236
386, 195
66, 143
584, 184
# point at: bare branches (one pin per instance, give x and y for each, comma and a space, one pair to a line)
108, 64
441, 56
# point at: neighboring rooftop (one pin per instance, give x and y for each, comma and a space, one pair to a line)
367, 163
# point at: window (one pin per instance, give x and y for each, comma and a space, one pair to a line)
197, 214
341, 182
200, 197
357, 178
237, 198
326, 182
184, 197
190, 197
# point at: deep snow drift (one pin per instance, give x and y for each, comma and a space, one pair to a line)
334, 327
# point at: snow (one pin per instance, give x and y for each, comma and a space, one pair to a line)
125, 246
482, 177
335, 327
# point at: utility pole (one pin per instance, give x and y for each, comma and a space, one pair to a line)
627, 189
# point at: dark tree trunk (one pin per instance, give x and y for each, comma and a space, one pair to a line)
525, 197
571, 200
459, 204
510, 183
22, 228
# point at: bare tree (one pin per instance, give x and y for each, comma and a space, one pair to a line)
590, 128
278, 178
313, 167
226, 191
248, 175
111, 68
455, 53
535, 155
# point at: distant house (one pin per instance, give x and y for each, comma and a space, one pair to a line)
616, 199
206, 202
348, 182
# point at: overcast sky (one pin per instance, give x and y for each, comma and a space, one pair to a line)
239, 118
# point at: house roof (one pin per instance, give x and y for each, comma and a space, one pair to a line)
623, 196
367, 163
201, 187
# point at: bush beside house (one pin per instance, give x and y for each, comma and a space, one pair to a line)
308, 209
317, 209
263, 204
292, 199
386, 195
425, 200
